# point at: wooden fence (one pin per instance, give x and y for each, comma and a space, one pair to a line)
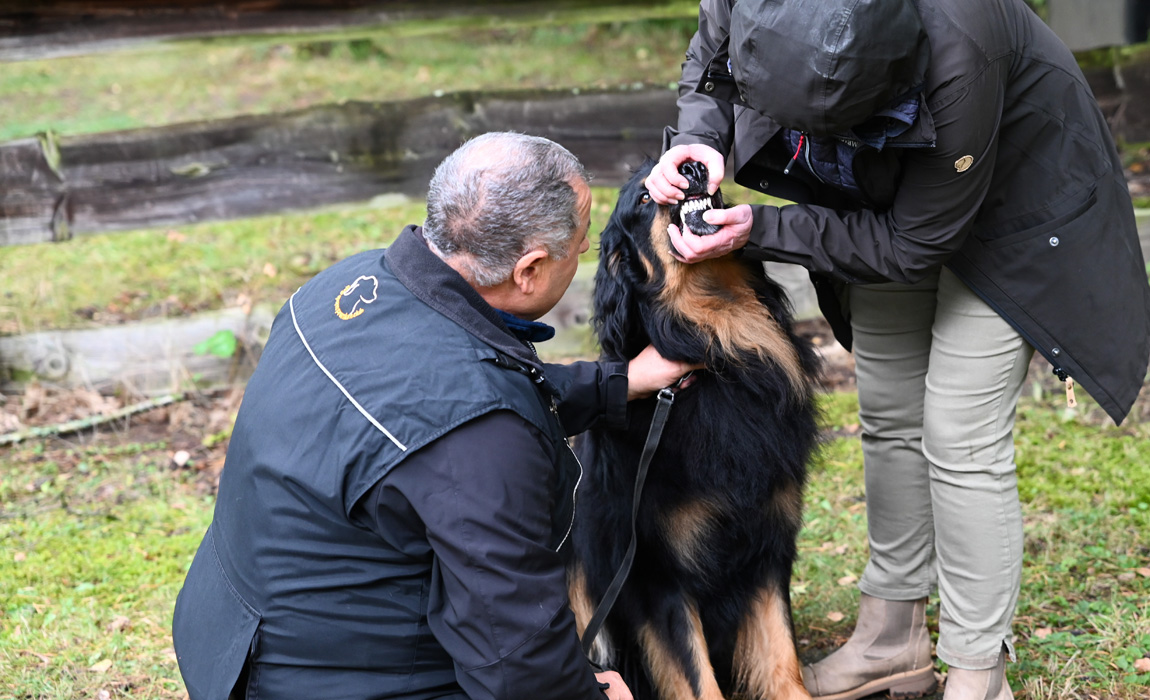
53, 188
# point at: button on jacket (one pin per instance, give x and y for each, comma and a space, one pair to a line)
1009, 177
396, 489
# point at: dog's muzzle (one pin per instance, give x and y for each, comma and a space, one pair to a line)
689, 212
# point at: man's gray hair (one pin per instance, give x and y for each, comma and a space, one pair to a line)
499, 196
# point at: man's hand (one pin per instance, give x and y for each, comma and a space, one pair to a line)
665, 183
618, 690
735, 229
649, 372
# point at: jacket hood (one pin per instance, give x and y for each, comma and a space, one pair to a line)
824, 66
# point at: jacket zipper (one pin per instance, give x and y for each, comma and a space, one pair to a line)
537, 377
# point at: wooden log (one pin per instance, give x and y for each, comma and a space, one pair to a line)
140, 359
53, 28
248, 166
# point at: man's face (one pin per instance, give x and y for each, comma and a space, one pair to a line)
557, 274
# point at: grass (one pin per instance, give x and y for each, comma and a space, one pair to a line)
101, 280
206, 81
96, 542
98, 533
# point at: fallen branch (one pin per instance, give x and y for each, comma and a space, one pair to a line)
89, 422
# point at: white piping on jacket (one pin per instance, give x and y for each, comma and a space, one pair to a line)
371, 419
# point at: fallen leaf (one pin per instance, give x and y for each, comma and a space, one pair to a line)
841, 549
20, 556
101, 666
1043, 632
847, 580
1143, 572
1126, 576
103, 695
181, 458
852, 428
269, 270
118, 624
176, 236
1142, 665
835, 616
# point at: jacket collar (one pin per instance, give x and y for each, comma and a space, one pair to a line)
436, 284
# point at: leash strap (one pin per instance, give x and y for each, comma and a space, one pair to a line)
662, 410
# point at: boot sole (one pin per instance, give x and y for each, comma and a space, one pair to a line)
900, 686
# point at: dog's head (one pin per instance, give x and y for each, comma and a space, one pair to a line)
723, 312
636, 266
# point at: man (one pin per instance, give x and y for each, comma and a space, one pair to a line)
961, 204
398, 483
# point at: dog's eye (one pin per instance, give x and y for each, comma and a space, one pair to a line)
646, 198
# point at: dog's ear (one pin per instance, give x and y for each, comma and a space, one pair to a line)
616, 309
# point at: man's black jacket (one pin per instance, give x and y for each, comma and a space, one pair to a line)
395, 495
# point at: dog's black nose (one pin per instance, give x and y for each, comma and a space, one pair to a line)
695, 172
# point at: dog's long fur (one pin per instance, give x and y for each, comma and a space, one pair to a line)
705, 612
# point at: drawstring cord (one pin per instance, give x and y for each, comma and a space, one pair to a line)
787, 170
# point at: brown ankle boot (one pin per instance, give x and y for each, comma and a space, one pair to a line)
889, 650
987, 684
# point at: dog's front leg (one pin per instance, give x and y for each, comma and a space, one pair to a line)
766, 664
676, 652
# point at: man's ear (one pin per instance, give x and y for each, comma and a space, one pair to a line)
529, 270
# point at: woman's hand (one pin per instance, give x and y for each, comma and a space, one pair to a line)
665, 183
734, 230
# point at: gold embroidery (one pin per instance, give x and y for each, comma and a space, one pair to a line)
963, 164
347, 291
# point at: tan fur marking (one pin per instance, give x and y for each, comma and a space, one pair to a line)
787, 502
579, 599
688, 527
766, 665
734, 318
668, 677
584, 608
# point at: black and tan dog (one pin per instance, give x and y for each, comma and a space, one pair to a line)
705, 612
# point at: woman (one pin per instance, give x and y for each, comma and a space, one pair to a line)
960, 203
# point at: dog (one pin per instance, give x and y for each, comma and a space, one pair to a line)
705, 612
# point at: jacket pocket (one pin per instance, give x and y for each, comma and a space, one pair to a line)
212, 628
1027, 226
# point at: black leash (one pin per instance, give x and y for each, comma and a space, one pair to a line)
662, 411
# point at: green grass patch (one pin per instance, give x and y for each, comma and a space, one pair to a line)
159, 273
97, 540
95, 546
207, 81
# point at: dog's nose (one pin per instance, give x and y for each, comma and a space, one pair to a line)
694, 171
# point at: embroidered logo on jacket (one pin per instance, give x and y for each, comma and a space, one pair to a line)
963, 164
364, 290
